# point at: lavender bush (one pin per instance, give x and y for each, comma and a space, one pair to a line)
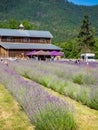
94, 98
78, 81
45, 111
61, 121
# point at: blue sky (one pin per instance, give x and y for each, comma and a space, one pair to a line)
85, 2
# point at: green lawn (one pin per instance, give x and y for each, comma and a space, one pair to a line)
11, 116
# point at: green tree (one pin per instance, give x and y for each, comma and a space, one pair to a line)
27, 25
96, 49
13, 24
86, 39
70, 49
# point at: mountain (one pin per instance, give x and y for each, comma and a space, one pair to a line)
60, 17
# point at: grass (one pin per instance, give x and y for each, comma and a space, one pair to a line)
33, 99
69, 79
54, 118
11, 116
86, 118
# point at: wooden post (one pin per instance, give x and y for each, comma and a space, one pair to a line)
87, 68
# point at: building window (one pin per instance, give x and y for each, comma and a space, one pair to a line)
10, 39
42, 40
26, 39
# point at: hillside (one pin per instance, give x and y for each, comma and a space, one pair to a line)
60, 17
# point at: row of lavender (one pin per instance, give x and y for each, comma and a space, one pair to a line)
45, 111
77, 81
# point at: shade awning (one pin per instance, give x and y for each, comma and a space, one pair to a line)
56, 53
31, 53
41, 52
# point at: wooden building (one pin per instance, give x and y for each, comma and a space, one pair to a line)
18, 42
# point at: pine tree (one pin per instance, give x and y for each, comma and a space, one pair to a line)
86, 39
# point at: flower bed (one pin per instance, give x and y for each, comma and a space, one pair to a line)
79, 81
45, 111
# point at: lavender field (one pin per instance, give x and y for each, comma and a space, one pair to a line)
26, 79
78, 81
45, 111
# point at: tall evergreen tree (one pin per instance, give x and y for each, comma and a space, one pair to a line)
86, 39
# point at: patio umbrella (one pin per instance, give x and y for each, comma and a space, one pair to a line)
56, 53
40, 53
31, 53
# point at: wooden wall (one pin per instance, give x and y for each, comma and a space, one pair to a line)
20, 53
26, 40
15, 52
3, 52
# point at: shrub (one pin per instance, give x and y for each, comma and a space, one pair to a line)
83, 95
54, 118
84, 79
78, 79
64, 77
33, 99
93, 98
89, 79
